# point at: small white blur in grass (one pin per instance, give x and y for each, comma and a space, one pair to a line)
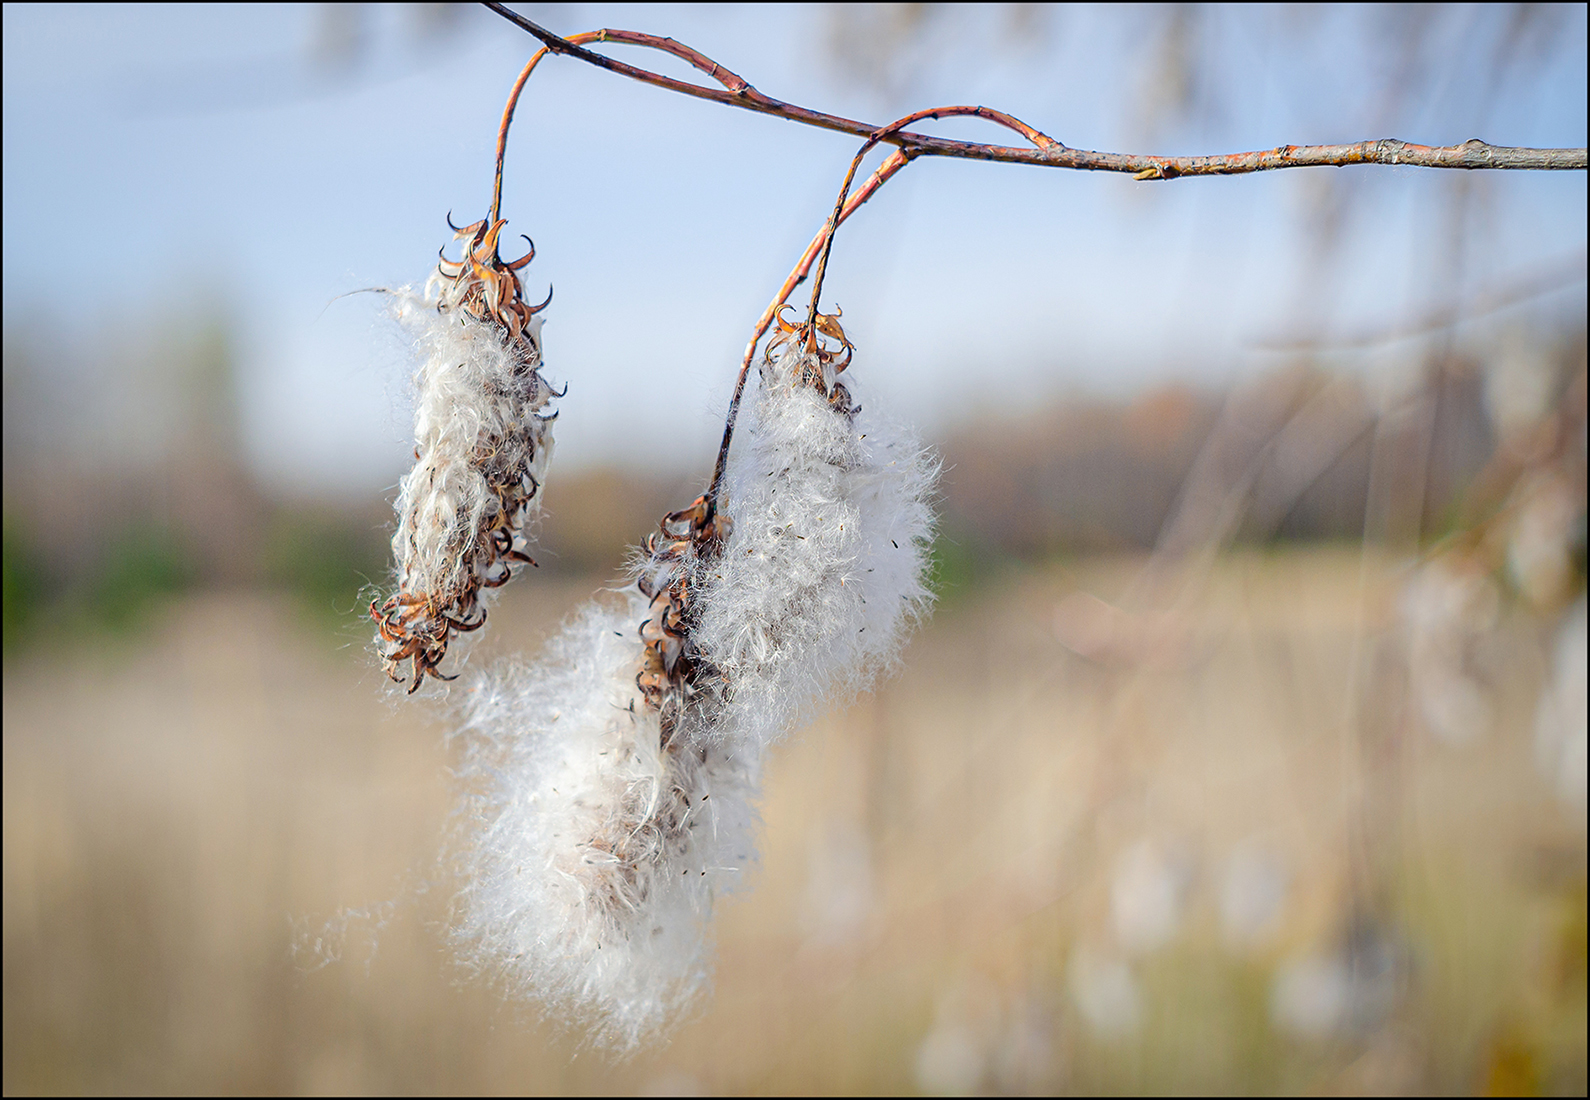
1147, 891
1448, 605
1105, 992
1560, 716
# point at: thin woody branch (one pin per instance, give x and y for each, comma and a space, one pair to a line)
737, 92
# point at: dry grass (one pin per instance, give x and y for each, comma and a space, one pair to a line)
948, 866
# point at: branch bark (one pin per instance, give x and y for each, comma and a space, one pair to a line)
738, 92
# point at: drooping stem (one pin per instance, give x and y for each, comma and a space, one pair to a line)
634, 38
828, 240
502, 131
1038, 138
846, 205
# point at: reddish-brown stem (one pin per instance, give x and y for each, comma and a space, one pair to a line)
1038, 138
513, 104
735, 83
728, 79
738, 93
844, 206
880, 175
502, 130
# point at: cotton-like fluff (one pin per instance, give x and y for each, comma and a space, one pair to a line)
591, 851
482, 447
823, 575
483, 453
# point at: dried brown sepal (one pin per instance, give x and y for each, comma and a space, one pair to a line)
822, 362
417, 627
410, 629
483, 284
673, 677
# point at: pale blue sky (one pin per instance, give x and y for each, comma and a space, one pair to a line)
156, 155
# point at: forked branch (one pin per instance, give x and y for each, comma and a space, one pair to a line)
738, 92
822, 244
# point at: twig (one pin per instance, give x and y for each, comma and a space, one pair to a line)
846, 205
737, 92
668, 45
1558, 276
1038, 138
880, 175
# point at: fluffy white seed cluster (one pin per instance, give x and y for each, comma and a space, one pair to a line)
482, 449
592, 850
824, 573
612, 784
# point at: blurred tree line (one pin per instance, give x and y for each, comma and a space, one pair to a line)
133, 485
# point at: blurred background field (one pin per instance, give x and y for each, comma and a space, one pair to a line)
1012, 869
1245, 750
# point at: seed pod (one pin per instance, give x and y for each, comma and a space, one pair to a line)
684, 689
824, 573
482, 447
593, 844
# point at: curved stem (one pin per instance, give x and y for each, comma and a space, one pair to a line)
735, 83
1473, 154
513, 104
891, 164
1037, 137
502, 131
732, 81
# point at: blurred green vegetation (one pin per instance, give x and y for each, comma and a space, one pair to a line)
953, 567
114, 592
143, 566
960, 564
329, 561
24, 583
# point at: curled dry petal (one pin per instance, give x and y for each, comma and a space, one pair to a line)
482, 449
